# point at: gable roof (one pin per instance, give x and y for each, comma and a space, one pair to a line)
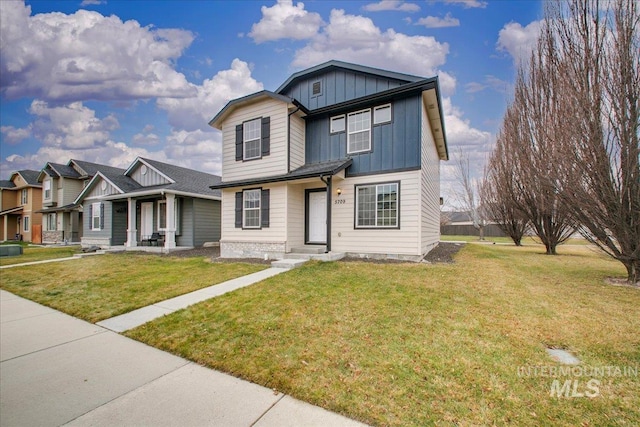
29, 176
184, 180
216, 122
91, 169
334, 64
57, 170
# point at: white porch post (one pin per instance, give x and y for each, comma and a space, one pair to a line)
132, 232
170, 232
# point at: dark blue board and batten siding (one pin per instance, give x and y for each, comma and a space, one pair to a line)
395, 146
339, 86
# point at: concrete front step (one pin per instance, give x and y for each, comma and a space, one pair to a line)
331, 256
288, 263
309, 249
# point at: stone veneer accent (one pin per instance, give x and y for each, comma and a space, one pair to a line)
273, 250
103, 242
52, 236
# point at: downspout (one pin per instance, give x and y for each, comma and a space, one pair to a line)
328, 184
289, 138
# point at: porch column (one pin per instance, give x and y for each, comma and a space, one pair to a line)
170, 232
132, 232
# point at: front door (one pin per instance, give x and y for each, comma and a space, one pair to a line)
317, 217
146, 220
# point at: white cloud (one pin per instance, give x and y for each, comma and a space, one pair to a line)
92, 2
468, 4
54, 56
13, 135
391, 5
285, 21
474, 87
71, 126
435, 22
354, 38
197, 150
519, 41
490, 81
196, 111
145, 139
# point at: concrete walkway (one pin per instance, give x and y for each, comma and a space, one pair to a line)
59, 370
138, 317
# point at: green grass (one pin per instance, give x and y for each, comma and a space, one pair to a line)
40, 253
527, 240
407, 344
102, 286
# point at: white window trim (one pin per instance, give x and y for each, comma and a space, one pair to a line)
95, 213
349, 132
336, 118
380, 107
24, 196
176, 212
245, 209
376, 186
159, 216
50, 222
245, 141
26, 223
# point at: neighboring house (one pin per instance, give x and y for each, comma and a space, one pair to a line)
151, 203
61, 185
341, 156
21, 200
460, 223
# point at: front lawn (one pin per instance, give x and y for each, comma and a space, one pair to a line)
407, 344
40, 253
102, 286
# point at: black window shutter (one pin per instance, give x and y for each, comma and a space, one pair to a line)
266, 136
239, 209
90, 216
101, 216
264, 209
239, 152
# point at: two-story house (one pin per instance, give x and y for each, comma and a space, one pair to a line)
21, 199
151, 203
342, 156
61, 185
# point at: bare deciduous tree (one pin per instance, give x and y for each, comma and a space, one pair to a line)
497, 194
599, 47
468, 194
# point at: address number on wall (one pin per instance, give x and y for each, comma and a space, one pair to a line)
339, 202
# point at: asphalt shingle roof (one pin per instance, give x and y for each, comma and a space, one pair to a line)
62, 170
5, 183
187, 180
30, 176
92, 168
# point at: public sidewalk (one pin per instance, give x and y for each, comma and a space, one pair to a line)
59, 370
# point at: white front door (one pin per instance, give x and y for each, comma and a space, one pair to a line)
146, 220
317, 216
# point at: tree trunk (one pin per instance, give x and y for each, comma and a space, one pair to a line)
633, 271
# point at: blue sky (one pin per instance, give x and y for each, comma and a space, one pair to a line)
107, 81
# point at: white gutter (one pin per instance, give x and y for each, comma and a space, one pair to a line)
155, 193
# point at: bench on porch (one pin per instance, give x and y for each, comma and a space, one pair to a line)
153, 240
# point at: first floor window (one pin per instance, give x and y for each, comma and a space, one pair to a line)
25, 223
252, 139
162, 215
251, 208
52, 223
96, 209
377, 205
359, 131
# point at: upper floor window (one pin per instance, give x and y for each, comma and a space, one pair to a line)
253, 139
24, 197
337, 124
359, 131
377, 206
382, 114
47, 189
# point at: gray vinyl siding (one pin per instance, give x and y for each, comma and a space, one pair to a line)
119, 223
339, 86
207, 221
105, 232
395, 146
150, 178
186, 223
